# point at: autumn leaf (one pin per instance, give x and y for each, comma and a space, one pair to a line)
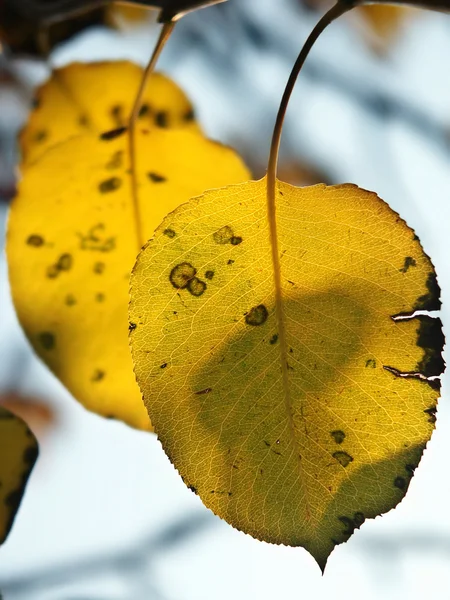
97, 97
295, 412
18, 453
72, 242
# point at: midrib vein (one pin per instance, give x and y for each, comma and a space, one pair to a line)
279, 312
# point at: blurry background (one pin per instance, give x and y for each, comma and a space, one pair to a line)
105, 515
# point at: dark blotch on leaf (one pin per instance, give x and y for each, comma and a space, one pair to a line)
144, 111
338, 436
40, 136
348, 524
274, 339
189, 115
162, 119
431, 412
257, 315
409, 262
99, 297
47, 340
235, 241
35, 240
163, 366
30, 455
209, 275
431, 338
371, 363
52, 271
99, 267
65, 262
98, 375
400, 483
70, 300
359, 518
193, 489
132, 326
113, 134
181, 275
230, 262
223, 235
431, 300
156, 178
170, 233
109, 185
196, 287
343, 458
410, 468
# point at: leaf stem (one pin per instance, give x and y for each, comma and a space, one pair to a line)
166, 31
336, 11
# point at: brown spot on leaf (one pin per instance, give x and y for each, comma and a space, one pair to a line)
162, 119
112, 134
431, 412
343, 458
52, 271
257, 315
99, 267
236, 240
196, 287
338, 436
98, 375
70, 300
400, 483
47, 340
371, 363
65, 262
223, 235
189, 115
181, 275
109, 185
35, 240
409, 262
99, 297
144, 111
170, 233
209, 275
116, 161
40, 136
156, 177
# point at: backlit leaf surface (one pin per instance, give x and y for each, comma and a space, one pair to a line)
97, 97
295, 438
72, 244
18, 453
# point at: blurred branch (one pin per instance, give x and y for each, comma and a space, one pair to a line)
132, 563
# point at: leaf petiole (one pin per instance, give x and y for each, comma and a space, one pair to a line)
166, 31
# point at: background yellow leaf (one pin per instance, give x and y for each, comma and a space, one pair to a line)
97, 97
72, 243
18, 453
294, 437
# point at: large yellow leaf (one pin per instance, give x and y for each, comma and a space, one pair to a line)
18, 453
296, 433
72, 242
99, 97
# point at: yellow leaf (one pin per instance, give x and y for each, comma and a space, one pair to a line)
295, 433
72, 244
97, 97
382, 24
18, 453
